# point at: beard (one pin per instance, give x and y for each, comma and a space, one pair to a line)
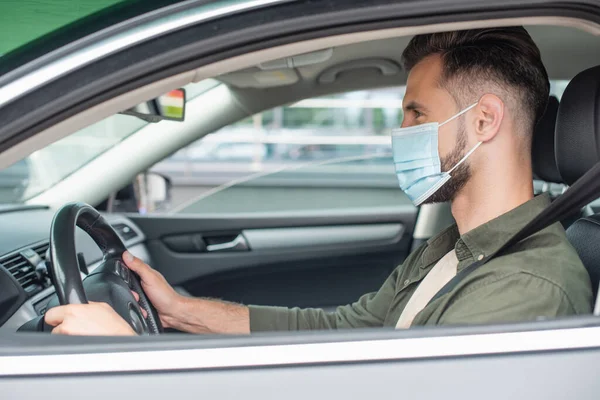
460, 176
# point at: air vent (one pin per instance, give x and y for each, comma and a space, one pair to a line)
23, 272
125, 231
40, 249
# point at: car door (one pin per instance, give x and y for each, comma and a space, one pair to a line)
294, 213
427, 363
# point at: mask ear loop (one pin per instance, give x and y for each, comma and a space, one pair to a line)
465, 157
459, 114
470, 151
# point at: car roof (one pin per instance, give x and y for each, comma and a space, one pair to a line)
360, 64
556, 44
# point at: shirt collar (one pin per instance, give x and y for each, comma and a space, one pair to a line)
439, 245
485, 239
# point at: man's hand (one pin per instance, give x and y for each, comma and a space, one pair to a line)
100, 319
188, 314
175, 311
93, 319
162, 295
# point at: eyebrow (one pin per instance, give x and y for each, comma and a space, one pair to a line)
413, 105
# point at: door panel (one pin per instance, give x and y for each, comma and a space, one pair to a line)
551, 374
304, 259
308, 238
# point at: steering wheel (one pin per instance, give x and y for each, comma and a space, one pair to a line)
111, 282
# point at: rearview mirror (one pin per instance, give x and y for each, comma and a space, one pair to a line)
170, 106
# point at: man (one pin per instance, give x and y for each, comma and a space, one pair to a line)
472, 101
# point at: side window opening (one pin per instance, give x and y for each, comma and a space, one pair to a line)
332, 152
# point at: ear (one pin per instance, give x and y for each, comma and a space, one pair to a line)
489, 116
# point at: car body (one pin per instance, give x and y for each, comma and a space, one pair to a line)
320, 231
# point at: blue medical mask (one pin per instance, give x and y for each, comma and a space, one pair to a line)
417, 159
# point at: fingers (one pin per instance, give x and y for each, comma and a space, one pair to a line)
57, 330
135, 264
93, 319
137, 298
56, 315
101, 304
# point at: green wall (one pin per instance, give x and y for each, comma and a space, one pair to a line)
24, 20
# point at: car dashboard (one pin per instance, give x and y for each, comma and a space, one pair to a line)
25, 286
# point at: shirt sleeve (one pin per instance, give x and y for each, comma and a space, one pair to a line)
517, 297
369, 311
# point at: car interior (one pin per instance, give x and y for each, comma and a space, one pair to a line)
339, 241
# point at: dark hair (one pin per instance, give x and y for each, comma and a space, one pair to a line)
507, 57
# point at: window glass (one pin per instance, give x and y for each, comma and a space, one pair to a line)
53, 163
325, 153
557, 88
332, 152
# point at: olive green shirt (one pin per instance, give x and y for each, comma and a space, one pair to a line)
539, 277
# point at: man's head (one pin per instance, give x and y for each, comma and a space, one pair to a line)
501, 70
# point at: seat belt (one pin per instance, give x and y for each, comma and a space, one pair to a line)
585, 190
444, 270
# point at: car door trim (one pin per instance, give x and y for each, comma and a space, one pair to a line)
301, 354
315, 236
121, 41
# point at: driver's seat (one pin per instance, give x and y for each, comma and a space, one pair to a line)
577, 150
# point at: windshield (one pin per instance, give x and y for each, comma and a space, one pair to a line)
50, 165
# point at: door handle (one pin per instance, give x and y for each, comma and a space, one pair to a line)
237, 244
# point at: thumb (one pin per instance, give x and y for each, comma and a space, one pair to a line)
135, 264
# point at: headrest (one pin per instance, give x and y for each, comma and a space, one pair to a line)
542, 151
578, 126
